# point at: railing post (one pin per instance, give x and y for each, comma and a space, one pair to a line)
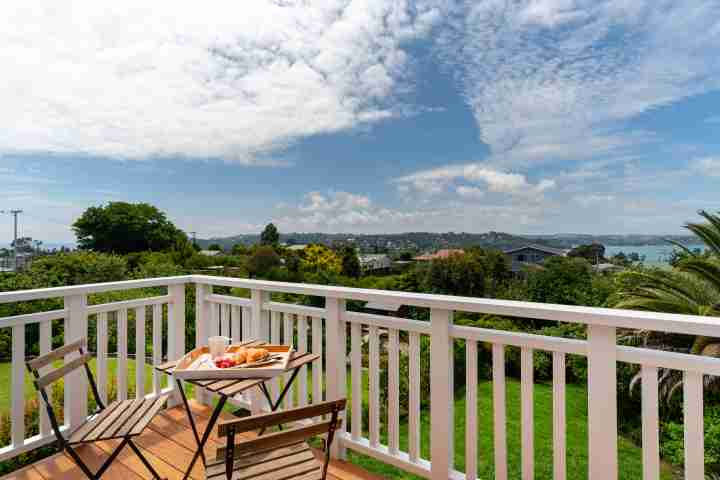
602, 403
76, 385
335, 351
441, 394
261, 331
176, 331
202, 323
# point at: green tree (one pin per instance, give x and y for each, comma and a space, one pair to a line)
455, 275
270, 236
350, 262
263, 259
593, 253
691, 287
319, 258
240, 249
216, 247
561, 280
121, 227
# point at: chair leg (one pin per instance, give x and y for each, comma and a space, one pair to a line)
144, 460
79, 462
103, 467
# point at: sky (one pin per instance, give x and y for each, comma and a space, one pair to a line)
362, 116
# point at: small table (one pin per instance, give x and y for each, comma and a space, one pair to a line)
229, 388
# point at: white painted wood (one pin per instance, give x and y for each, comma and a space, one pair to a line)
602, 403
393, 410
288, 339
317, 366
122, 354
401, 460
246, 324
45, 348
471, 420
342, 374
176, 324
356, 379
694, 426
650, 424
275, 321
17, 386
260, 323
441, 394
76, 384
335, 354
128, 304
157, 346
374, 389
671, 360
28, 318
527, 414
294, 309
522, 340
236, 323
499, 412
202, 325
214, 327
228, 300
140, 352
225, 320
414, 397
388, 322
559, 417
302, 332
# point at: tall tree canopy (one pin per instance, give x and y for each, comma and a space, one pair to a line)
270, 235
350, 262
122, 227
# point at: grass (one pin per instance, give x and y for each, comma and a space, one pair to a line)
630, 455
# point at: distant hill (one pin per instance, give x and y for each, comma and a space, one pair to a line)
431, 241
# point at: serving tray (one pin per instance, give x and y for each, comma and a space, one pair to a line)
197, 365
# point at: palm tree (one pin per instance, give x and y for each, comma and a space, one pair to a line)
692, 287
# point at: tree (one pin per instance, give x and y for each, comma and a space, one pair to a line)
263, 259
350, 262
593, 253
216, 247
561, 280
691, 287
121, 227
455, 275
317, 258
270, 236
240, 249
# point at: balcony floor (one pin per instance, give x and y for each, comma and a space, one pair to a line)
168, 443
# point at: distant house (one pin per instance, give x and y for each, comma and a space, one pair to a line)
371, 262
296, 248
444, 253
210, 253
531, 255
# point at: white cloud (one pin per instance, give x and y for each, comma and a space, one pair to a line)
469, 192
555, 79
438, 180
709, 166
233, 80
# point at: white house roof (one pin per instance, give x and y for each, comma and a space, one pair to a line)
540, 248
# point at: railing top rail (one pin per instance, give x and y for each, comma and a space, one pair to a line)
665, 322
55, 292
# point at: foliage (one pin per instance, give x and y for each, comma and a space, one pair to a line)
672, 442
593, 253
319, 258
270, 235
561, 280
76, 268
263, 259
121, 227
350, 262
216, 247
455, 275
240, 249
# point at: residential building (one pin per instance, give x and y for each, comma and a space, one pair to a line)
443, 253
373, 262
521, 257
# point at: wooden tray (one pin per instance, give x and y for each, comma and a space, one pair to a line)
187, 368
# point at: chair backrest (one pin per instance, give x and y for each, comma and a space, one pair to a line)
285, 437
46, 379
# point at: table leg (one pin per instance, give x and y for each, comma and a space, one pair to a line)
281, 397
206, 435
189, 414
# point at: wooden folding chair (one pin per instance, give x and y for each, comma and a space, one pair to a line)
123, 419
279, 455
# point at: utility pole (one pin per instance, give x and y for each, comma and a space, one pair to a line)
194, 235
15, 214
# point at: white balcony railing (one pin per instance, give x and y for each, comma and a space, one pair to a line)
314, 329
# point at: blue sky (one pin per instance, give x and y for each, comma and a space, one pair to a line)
531, 116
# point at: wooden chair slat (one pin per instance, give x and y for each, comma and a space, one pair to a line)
286, 416
167, 366
109, 421
93, 422
58, 373
266, 464
113, 430
139, 416
279, 439
261, 456
148, 416
57, 354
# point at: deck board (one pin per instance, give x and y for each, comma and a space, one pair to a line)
168, 443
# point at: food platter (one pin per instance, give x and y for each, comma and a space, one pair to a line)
197, 364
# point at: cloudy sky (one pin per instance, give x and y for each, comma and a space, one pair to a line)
525, 116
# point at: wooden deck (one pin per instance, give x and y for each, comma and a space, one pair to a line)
168, 443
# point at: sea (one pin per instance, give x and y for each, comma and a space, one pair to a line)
654, 254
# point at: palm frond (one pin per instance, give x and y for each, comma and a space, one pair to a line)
709, 232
